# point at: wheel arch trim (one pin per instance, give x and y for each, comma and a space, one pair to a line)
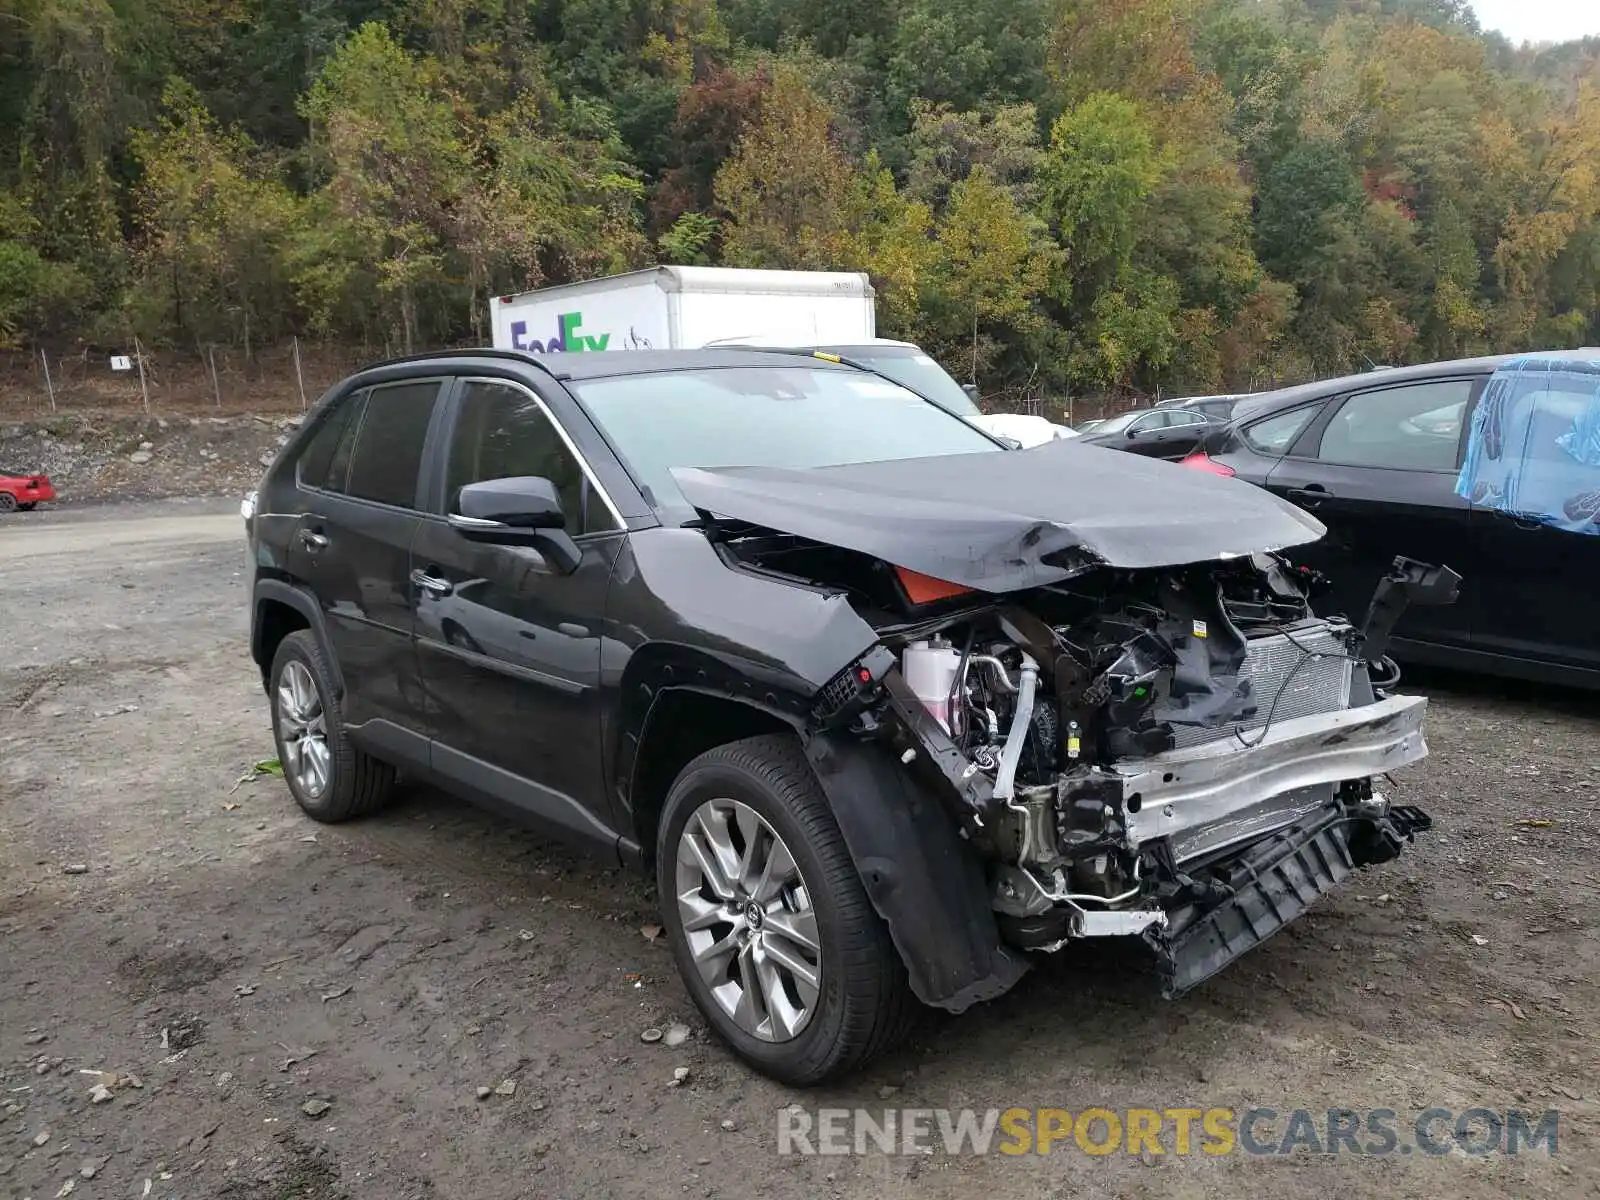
276, 591
924, 881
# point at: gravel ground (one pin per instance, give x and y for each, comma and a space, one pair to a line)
225, 963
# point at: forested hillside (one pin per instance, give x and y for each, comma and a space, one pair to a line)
1051, 194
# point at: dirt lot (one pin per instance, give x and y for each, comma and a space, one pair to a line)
240, 961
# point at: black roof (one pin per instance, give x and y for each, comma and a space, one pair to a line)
1263, 402
607, 363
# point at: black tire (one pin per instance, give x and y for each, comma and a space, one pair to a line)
358, 784
865, 1005
8, 502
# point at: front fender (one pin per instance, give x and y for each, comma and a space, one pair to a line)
923, 879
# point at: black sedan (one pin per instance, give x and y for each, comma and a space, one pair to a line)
1375, 457
1154, 432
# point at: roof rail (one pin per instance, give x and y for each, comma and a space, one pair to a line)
521, 356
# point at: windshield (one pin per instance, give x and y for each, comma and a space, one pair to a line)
799, 416
918, 372
1120, 422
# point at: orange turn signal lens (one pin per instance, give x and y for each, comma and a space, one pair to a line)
925, 589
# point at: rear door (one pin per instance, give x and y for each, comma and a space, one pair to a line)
1378, 467
353, 545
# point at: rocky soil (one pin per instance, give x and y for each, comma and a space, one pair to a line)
96, 458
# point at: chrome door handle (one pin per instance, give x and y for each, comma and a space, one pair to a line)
431, 584
312, 541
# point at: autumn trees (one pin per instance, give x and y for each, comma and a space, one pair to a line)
1050, 194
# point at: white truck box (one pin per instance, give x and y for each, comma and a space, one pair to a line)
678, 308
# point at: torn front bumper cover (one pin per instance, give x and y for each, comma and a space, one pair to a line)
1274, 883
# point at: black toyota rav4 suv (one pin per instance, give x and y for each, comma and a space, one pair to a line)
885, 706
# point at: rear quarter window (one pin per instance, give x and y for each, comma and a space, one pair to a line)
312, 468
1276, 434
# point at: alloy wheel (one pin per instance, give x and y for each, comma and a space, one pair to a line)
748, 920
303, 730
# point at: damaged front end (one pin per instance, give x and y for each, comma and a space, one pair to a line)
1187, 755
1184, 752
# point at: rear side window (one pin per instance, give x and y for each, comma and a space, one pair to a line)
317, 457
388, 448
1276, 434
1414, 428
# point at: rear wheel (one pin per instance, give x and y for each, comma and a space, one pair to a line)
768, 921
8, 502
327, 775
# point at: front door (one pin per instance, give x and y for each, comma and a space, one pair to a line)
509, 645
1538, 583
1165, 433
1378, 468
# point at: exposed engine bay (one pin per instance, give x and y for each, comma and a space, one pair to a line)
1184, 753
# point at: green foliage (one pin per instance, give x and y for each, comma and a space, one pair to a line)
1057, 194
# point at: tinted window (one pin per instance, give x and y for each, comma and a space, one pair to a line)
388, 451
798, 416
1415, 428
501, 432
1276, 434
1186, 417
317, 457
339, 467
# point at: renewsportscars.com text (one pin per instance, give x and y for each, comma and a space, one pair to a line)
1215, 1132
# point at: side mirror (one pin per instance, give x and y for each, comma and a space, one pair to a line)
524, 510
971, 389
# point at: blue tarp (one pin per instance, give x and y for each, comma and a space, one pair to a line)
1534, 446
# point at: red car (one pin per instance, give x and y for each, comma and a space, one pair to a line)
23, 491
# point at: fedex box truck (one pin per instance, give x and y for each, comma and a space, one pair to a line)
679, 308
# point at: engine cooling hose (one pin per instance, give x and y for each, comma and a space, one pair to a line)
1021, 723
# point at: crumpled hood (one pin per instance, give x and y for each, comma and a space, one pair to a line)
1009, 520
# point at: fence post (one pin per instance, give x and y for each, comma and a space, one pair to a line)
211, 357
49, 386
144, 387
298, 378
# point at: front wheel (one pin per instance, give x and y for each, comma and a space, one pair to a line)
8, 502
771, 928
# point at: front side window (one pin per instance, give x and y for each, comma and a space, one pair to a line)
502, 432
1416, 427
789, 417
388, 450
